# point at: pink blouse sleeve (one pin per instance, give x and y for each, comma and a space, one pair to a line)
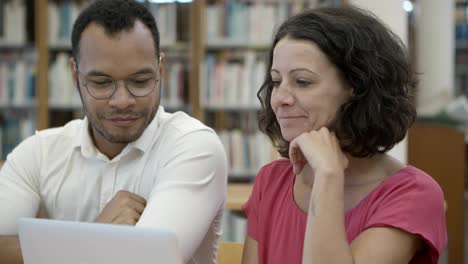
251, 208
416, 206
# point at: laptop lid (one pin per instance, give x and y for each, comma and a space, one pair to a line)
46, 241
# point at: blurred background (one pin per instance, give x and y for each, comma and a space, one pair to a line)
215, 54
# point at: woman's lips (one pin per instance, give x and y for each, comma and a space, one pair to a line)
290, 117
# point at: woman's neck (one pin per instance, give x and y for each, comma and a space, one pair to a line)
360, 171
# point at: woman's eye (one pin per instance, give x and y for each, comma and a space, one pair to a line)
302, 83
275, 83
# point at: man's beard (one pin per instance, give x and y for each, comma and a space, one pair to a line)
95, 122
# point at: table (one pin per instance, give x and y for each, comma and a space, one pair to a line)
237, 195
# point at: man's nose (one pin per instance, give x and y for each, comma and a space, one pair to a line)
122, 98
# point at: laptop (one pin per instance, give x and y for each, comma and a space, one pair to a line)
46, 241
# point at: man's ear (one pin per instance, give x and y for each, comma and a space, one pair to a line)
74, 70
162, 64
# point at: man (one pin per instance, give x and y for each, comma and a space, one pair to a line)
127, 162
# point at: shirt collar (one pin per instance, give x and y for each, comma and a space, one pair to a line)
150, 135
85, 141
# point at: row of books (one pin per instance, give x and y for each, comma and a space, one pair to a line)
461, 25
15, 126
238, 21
246, 152
63, 92
232, 84
174, 85
234, 227
461, 81
62, 14
12, 22
17, 80
461, 35
166, 19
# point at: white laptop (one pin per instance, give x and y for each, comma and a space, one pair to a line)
57, 242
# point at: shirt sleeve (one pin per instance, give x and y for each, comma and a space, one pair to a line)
417, 207
19, 188
251, 208
190, 191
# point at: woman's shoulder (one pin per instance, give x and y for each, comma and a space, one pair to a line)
273, 170
408, 189
275, 174
414, 180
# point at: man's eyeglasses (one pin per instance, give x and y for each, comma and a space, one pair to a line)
103, 87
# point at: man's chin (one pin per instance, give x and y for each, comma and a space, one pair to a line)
122, 140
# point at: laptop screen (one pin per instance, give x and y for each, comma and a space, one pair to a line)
53, 241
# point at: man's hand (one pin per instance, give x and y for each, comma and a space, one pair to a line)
124, 209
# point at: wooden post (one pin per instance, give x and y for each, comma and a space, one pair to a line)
42, 75
440, 151
197, 54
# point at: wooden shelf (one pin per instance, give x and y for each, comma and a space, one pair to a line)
237, 195
461, 44
16, 47
223, 44
178, 46
232, 108
29, 104
65, 106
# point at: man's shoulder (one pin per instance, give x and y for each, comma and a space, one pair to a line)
65, 134
53, 141
70, 129
181, 123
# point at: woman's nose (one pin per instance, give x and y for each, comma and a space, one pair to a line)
284, 94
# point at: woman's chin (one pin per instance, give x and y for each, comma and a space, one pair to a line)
291, 135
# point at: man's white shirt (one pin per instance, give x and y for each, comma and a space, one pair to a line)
178, 165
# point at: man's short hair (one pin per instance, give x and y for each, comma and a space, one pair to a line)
114, 16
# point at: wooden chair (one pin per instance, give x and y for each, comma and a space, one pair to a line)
230, 253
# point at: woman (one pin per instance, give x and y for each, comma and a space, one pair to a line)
336, 98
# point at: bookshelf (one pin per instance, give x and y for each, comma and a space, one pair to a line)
172, 19
234, 51
461, 47
198, 56
40, 42
18, 58
232, 67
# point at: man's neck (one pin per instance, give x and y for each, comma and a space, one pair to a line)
109, 149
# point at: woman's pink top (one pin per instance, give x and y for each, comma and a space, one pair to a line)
409, 200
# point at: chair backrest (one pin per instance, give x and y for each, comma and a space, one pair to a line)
230, 253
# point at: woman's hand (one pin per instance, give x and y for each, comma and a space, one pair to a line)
320, 149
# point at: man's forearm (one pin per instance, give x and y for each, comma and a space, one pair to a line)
10, 251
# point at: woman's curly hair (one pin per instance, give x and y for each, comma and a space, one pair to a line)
373, 62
